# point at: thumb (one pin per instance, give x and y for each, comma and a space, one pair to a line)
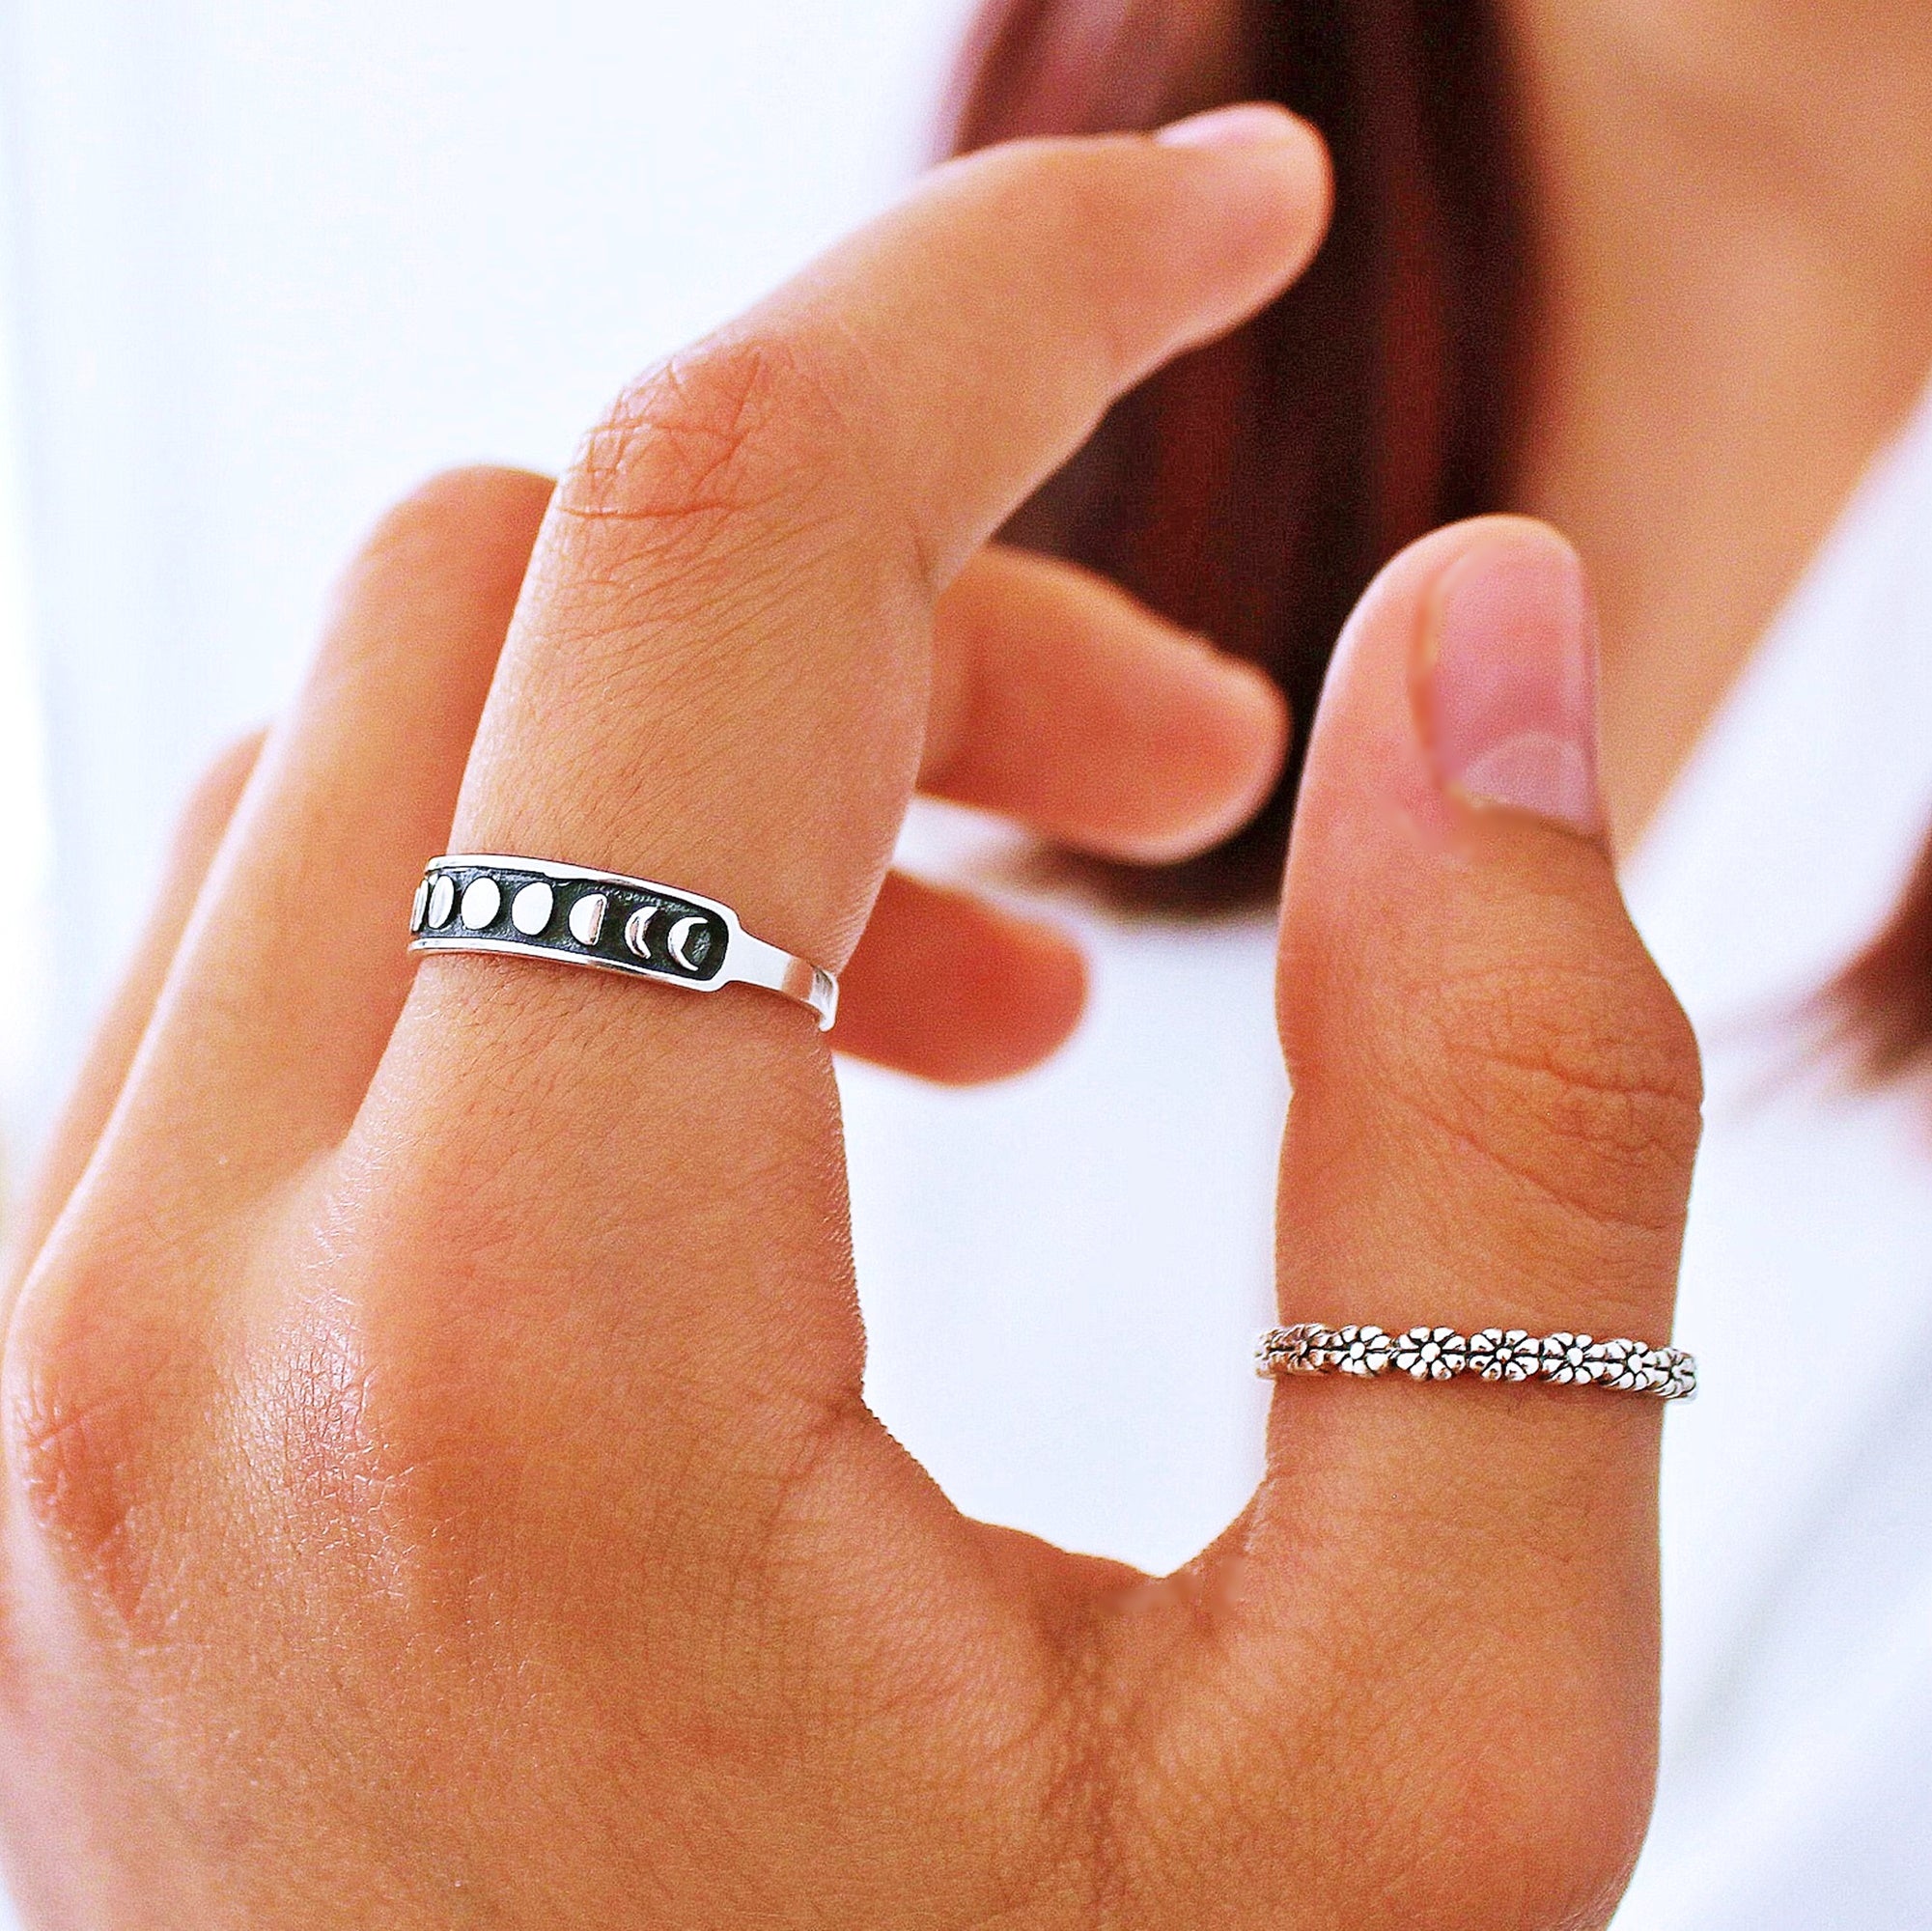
1494, 1114
1495, 1094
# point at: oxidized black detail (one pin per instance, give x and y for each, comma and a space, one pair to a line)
531, 909
588, 918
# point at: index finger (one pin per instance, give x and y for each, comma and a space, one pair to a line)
717, 678
718, 674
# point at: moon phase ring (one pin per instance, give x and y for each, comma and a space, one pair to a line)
1495, 1354
533, 909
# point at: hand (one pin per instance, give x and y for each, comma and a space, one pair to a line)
439, 1488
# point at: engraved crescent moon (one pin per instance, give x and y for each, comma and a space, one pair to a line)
679, 940
637, 929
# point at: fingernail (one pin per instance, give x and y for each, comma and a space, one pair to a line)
1510, 698
1246, 126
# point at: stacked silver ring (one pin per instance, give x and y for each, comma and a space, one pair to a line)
1495, 1354
533, 908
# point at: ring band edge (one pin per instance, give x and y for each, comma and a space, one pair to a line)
748, 960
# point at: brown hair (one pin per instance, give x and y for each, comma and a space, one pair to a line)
1252, 489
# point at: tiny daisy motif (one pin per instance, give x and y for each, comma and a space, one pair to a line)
1676, 1374
1287, 1349
1504, 1354
1431, 1354
1625, 1365
1566, 1358
1361, 1350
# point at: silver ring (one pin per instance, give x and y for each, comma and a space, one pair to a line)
533, 909
1495, 1354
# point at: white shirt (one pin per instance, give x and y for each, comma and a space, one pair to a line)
1062, 1276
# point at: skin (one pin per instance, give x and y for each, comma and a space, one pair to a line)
1735, 206
438, 1486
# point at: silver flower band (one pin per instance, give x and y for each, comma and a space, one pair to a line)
1495, 1354
534, 909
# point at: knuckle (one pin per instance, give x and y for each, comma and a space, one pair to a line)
211, 802
314, 1430
81, 1443
64, 1444
1536, 1822
1582, 1080
451, 551
1573, 1798
1572, 1811
348, 1458
459, 503
705, 440
1453, 1819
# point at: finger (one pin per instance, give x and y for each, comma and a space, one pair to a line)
1061, 701
950, 988
198, 834
720, 676
1496, 1104
1500, 1091
295, 969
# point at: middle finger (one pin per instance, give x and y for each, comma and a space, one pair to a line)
1059, 701
1063, 704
